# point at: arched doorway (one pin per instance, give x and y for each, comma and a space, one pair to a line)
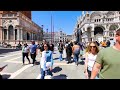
28, 36
98, 33
5, 34
10, 33
89, 33
112, 30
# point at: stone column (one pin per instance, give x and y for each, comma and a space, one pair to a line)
7, 35
13, 33
1, 34
32, 36
92, 33
18, 37
21, 34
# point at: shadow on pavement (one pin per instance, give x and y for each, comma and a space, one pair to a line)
61, 76
54, 53
82, 62
64, 59
1, 56
56, 69
55, 58
5, 76
37, 63
8, 50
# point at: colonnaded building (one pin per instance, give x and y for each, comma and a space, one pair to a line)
97, 25
17, 26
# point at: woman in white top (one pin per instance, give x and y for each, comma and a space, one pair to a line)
46, 62
90, 58
25, 53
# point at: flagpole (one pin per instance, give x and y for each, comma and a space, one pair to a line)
51, 28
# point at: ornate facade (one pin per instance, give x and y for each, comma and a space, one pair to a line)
97, 25
17, 26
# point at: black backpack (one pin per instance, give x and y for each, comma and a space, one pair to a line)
60, 47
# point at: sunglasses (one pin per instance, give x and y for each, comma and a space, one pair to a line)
45, 46
93, 46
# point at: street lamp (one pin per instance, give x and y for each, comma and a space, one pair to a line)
42, 32
47, 34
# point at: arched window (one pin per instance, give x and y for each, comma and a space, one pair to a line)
10, 32
95, 20
10, 15
4, 15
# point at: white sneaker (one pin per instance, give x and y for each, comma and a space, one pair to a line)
48, 77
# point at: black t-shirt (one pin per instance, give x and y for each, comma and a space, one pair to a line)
42, 48
71, 44
51, 47
60, 47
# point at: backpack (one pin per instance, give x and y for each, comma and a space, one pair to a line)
60, 47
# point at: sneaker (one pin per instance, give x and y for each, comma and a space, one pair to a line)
60, 60
48, 77
76, 63
68, 62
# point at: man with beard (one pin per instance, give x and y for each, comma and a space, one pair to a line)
108, 61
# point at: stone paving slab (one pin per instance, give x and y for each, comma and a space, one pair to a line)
61, 70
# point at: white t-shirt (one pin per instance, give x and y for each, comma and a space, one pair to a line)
26, 49
91, 60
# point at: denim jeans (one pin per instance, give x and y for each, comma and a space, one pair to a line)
48, 72
33, 56
76, 58
60, 56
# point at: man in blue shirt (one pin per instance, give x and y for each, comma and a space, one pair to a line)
33, 51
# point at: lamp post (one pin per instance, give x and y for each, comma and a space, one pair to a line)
53, 31
42, 32
47, 34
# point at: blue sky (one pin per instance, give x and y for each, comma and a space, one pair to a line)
64, 20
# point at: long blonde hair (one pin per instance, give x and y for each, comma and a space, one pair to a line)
88, 49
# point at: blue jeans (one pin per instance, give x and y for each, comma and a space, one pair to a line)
44, 72
60, 56
76, 58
